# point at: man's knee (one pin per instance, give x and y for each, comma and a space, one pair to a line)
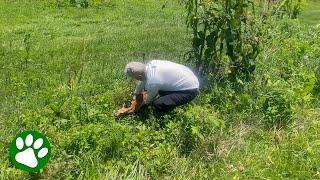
161, 106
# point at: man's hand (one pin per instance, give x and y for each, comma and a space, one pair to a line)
136, 103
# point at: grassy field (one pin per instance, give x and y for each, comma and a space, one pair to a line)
61, 73
311, 13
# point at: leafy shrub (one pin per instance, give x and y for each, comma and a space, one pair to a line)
277, 109
197, 123
227, 34
151, 148
225, 37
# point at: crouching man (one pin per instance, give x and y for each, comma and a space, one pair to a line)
162, 84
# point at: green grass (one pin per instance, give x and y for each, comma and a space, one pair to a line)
70, 82
311, 13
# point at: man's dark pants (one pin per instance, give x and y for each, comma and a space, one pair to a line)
168, 100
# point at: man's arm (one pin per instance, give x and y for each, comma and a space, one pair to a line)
139, 88
152, 92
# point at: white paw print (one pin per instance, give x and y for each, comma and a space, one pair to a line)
28, 156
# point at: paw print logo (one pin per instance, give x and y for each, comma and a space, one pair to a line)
30, 151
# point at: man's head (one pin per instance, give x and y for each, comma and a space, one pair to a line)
135, 70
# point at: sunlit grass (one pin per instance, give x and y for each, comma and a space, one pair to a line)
70, 82
311, 13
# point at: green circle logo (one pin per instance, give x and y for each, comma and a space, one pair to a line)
30, 151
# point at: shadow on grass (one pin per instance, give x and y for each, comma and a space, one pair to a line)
147, 113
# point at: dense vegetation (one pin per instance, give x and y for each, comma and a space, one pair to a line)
61, 65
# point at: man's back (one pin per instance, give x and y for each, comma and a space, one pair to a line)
170, 76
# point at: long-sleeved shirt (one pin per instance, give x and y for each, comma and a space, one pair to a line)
166, 76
